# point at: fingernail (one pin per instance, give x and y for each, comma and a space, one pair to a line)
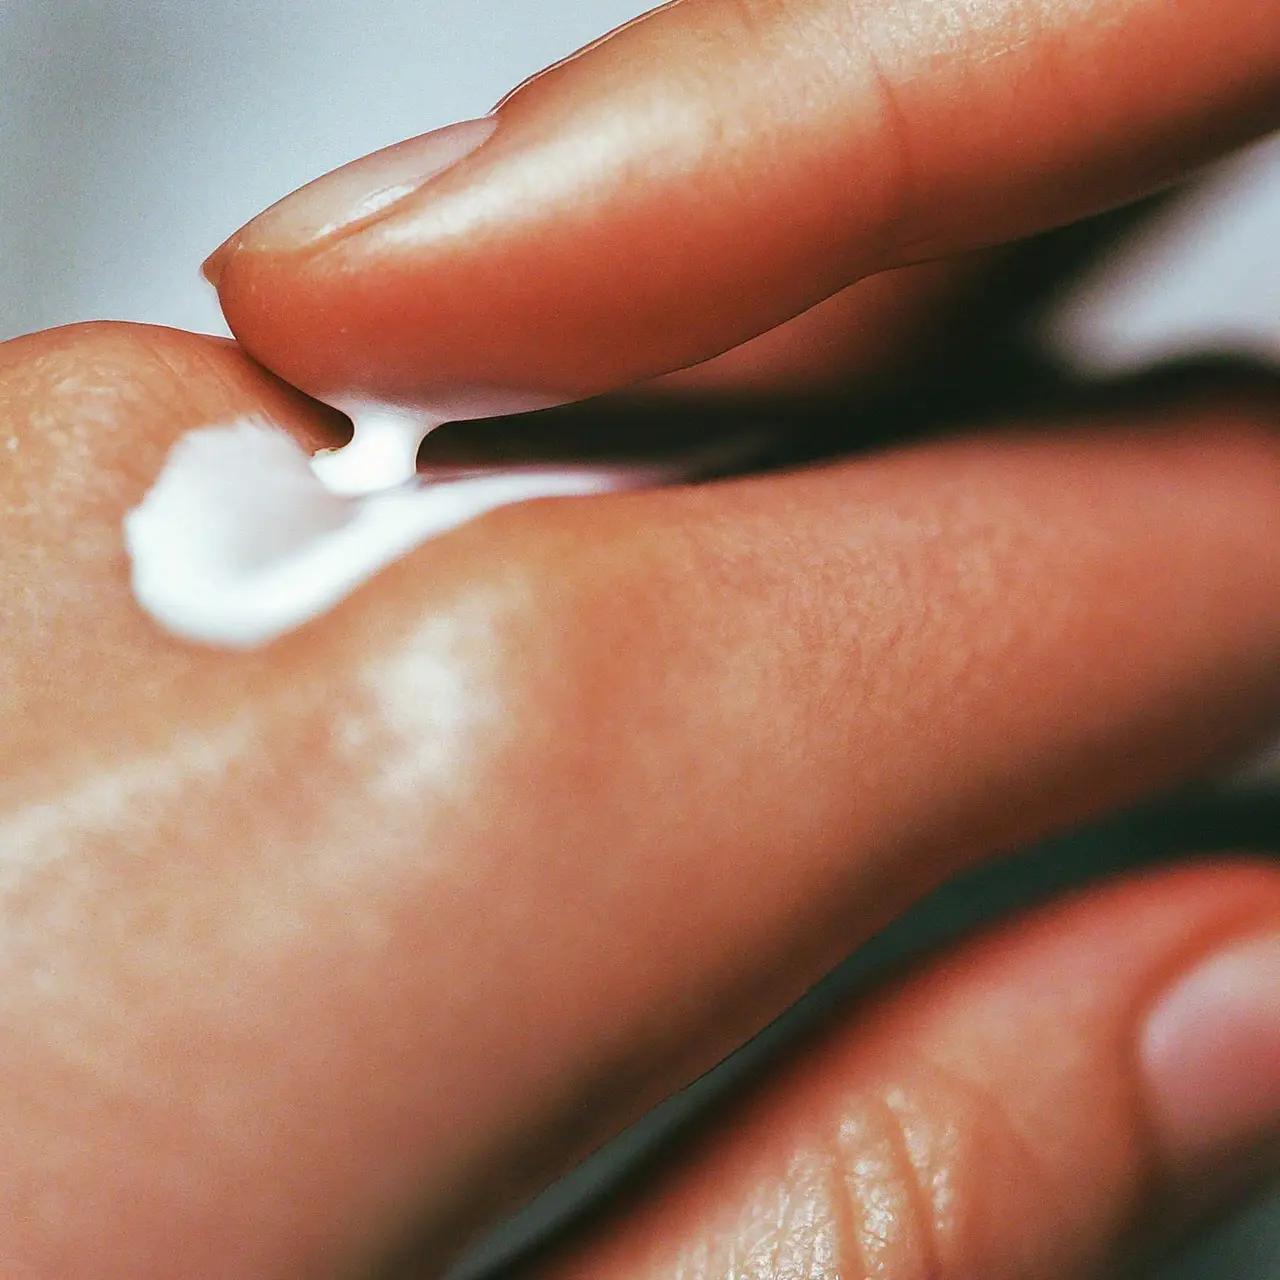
1211, 1052
358, 192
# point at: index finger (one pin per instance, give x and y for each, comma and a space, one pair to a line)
718, 166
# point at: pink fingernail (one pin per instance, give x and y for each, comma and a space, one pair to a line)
358, 192
1211, 1051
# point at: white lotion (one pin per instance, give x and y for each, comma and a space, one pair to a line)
383, 453
239, 541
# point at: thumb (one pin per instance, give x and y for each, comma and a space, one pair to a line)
720, 165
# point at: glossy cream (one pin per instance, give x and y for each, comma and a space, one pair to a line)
244, 538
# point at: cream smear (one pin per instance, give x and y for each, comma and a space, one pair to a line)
243, 537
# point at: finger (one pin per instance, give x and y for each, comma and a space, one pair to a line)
717, 167
868, 340
868, 333
377, 927
1060, 1099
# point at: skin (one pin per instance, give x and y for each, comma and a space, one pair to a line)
364, 936
914, 1140
273, 921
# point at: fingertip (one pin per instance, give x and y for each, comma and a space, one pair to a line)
211, 267
985, 1114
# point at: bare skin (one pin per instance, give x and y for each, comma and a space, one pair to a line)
369, 933
386, 921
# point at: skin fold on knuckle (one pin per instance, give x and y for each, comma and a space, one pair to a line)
936, 1181
917, 1176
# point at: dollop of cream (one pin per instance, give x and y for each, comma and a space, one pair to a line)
383, 452
243, 537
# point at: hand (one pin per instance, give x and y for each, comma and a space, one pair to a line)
367, 934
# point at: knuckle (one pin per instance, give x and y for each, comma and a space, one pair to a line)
937, 1181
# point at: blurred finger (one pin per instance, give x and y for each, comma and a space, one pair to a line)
1061, 1098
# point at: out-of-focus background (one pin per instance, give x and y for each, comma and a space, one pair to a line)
136, 134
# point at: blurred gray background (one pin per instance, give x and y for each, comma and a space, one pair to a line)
136, 134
